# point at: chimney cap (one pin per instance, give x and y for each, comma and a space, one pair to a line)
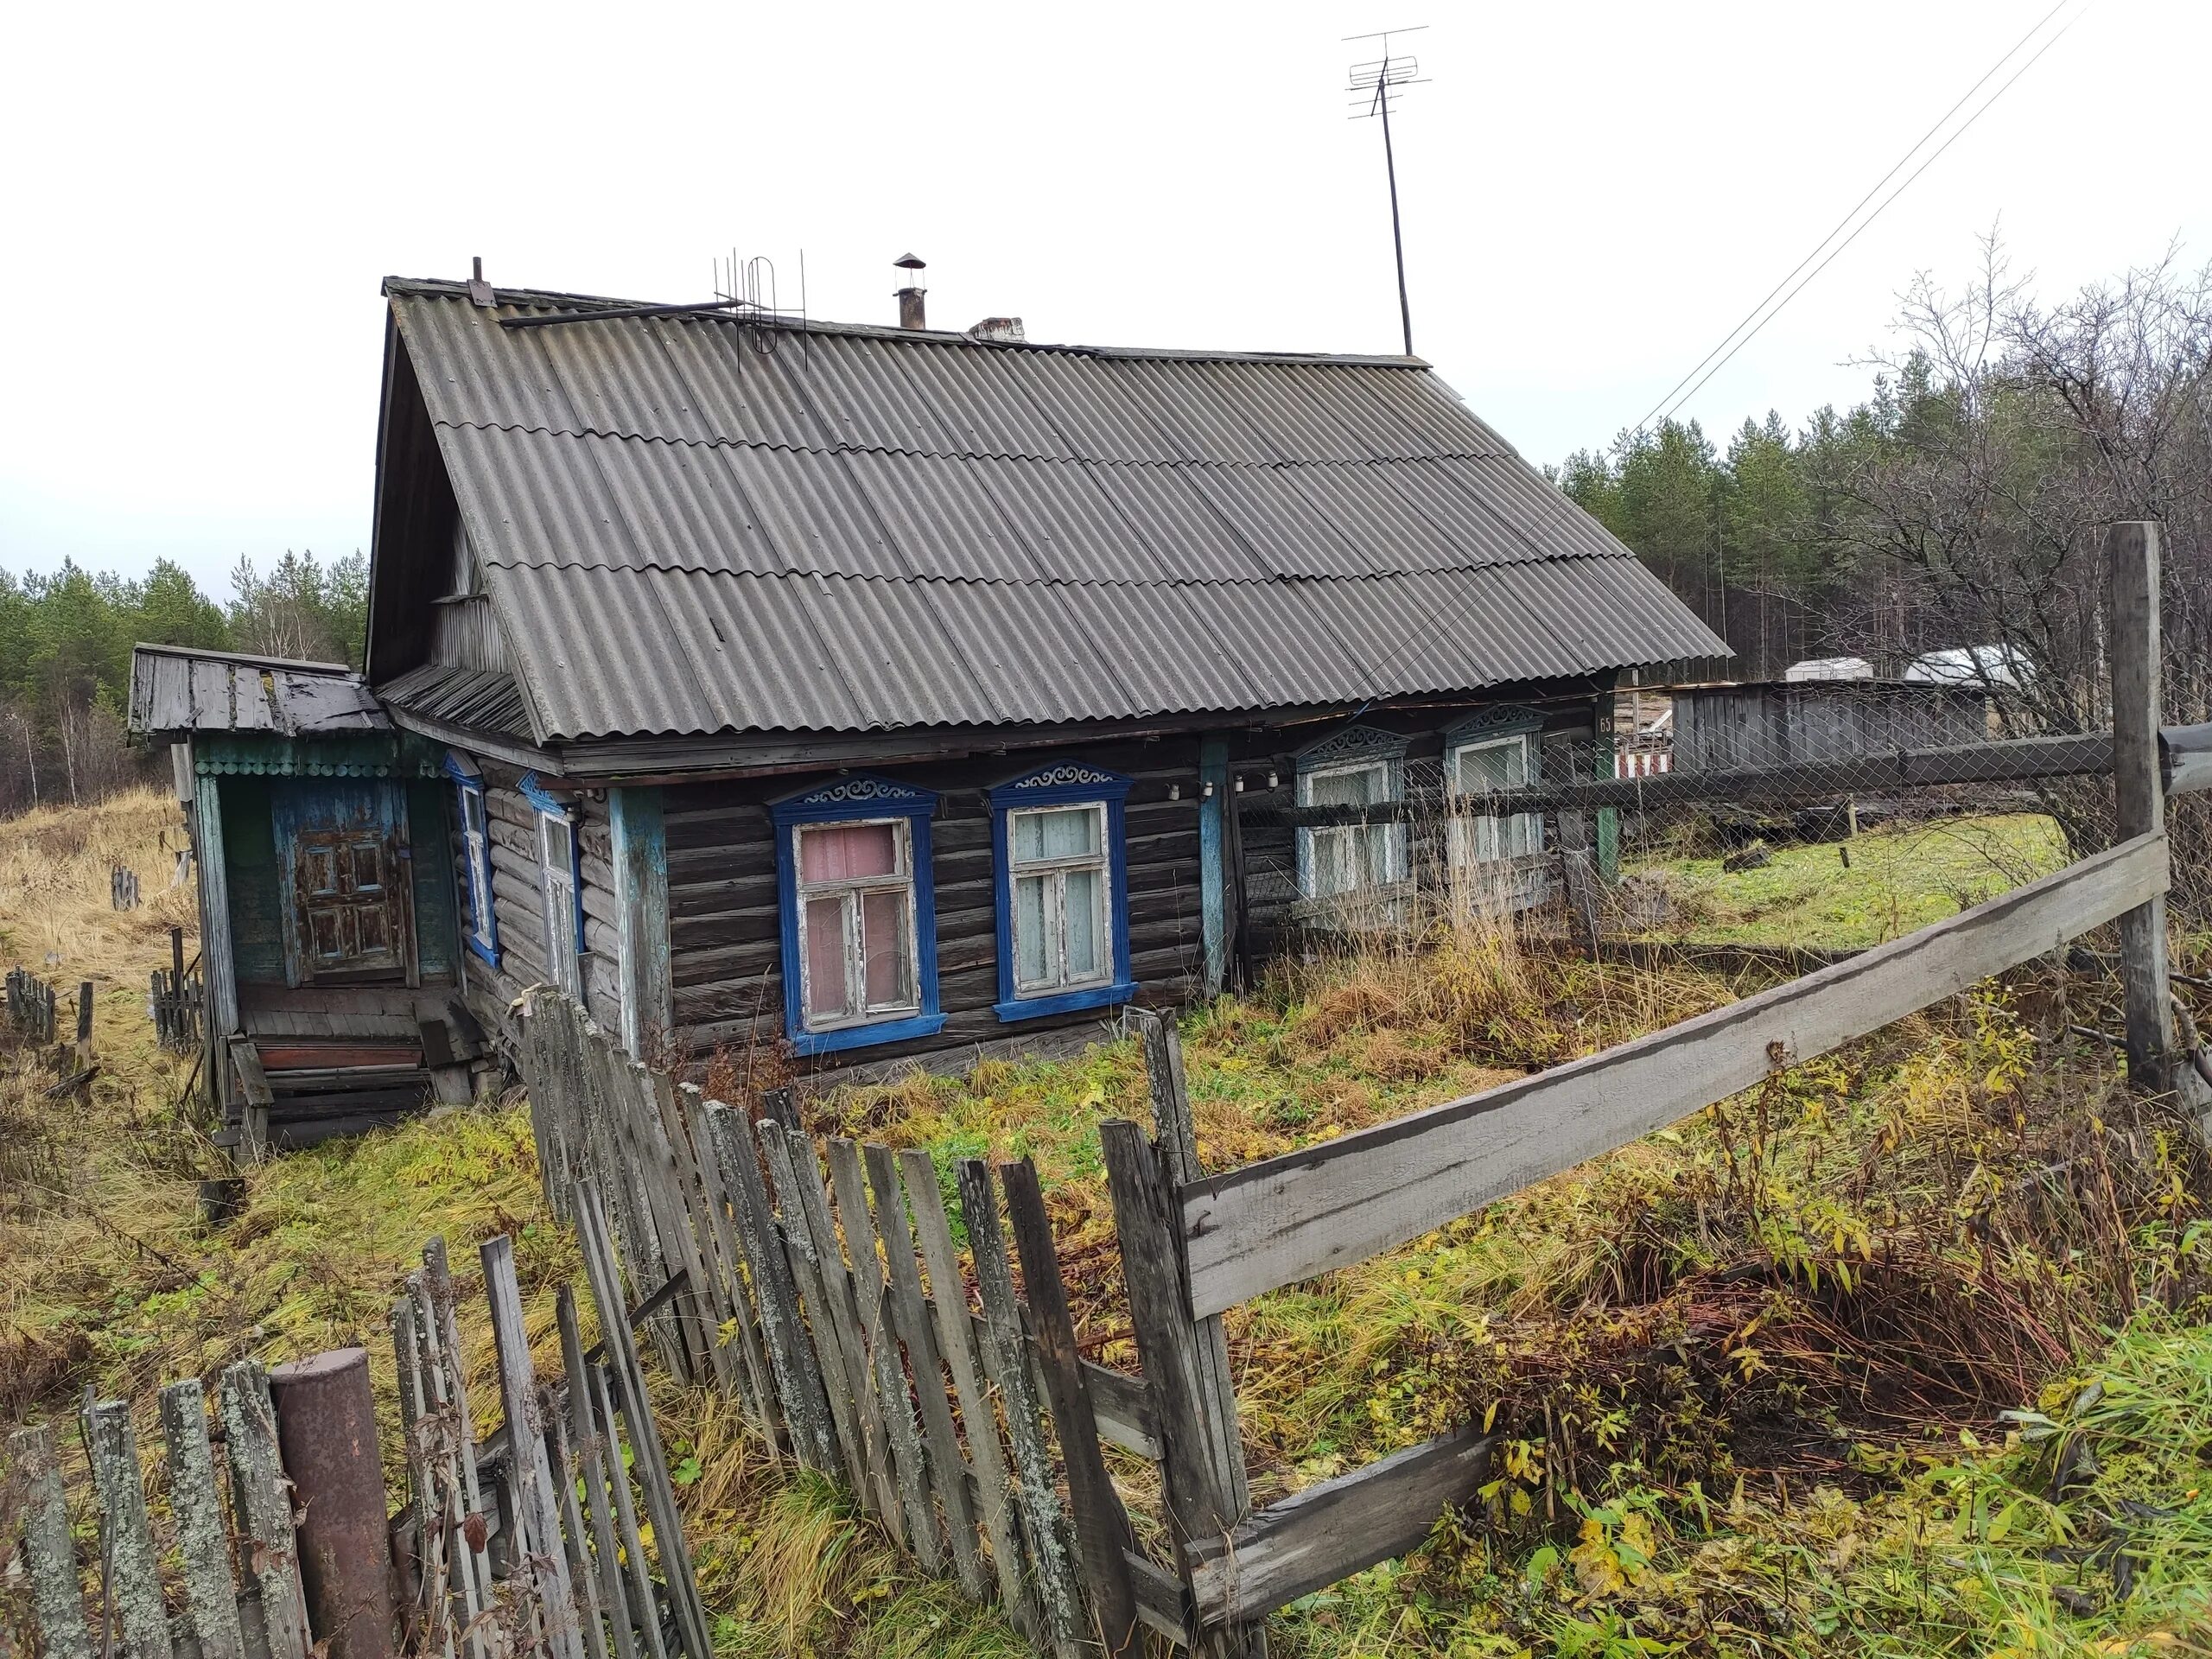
909, 262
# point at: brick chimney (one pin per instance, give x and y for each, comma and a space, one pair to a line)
910, 297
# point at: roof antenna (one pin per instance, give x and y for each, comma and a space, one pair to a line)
1377, 81
479, 291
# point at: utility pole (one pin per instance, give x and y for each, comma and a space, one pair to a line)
1377, 81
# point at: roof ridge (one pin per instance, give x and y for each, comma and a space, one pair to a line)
441, 287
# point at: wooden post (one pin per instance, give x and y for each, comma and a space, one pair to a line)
83, 1025
2138, 797
48, 1550
1202, 1502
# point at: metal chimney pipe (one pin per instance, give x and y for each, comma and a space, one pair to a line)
910, 297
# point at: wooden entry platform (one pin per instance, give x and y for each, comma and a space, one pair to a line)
315, 1063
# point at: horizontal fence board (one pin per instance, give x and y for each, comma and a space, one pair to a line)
2012, 760
1330, 1531
1290, 1217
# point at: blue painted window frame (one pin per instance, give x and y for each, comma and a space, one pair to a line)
1062, 784
482, 935
551, 807
859, 797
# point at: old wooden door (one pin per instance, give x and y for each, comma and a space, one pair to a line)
341, 844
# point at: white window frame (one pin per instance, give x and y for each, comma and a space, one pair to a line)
558, 899
476, 849
859, 1010
1486, 839
1394, 843
1057, 870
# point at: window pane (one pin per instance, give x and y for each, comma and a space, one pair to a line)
1033, 955
1494, 766
846, 851
1375, 844
1332, 862
883, 941
1364, 787
824, 921
1072, 832
1086, 948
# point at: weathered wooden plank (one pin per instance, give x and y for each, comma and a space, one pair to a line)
790, 1355
1288, 1218
48, 1551
590, 1443
1123, 1409
1102, 1529
808, 1201
644, 1607
645, 1438
432, 1573
210, 1594
957, 1340
584, 1584
1160, 1598
1336, 1529
530, 1474
686, 1110
823, 1329
451, 1453
1176, 1131
1006, 1359
948, 1469
1201, 1501
134, 1572
894, 1402
676, 1203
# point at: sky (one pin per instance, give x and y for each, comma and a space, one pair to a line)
201, 200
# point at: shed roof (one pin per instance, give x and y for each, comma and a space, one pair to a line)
695, 524
176, 690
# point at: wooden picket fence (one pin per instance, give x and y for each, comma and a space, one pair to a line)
574, 1579
527, 1545
259, 1615
30, 1006
838, 1310
123, 888
176, 999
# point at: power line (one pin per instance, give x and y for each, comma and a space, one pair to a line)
1871, 218
1665, 408
1451, 614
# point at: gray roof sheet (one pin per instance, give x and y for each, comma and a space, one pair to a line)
861, 528
178, 689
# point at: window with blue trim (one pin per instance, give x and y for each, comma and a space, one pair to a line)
560, 885
858, 914
476, 863
1059, 867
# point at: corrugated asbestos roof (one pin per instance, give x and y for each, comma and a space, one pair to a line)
480, 699
863, 528
175, 689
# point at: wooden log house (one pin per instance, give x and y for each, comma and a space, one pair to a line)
874, 693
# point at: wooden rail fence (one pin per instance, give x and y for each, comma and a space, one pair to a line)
1193, 1246
174, 1000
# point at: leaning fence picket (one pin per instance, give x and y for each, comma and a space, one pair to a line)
732, 1276
588, 1444
529, 1475
126, 1534
1006, 1358
895, 1405
949, 1472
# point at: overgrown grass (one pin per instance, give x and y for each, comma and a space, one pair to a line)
1752, 1373
1899, 878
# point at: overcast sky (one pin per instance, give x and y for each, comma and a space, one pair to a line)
200, 201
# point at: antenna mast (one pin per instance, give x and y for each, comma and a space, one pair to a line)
1377, 81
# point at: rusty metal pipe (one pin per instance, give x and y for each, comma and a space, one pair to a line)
326, 1430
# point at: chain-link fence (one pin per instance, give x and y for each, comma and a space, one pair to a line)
1808, 819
